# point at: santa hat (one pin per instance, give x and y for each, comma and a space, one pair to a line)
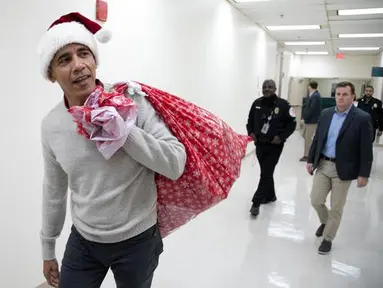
68, 29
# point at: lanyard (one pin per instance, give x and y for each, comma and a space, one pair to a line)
272, 114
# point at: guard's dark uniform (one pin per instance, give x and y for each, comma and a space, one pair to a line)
269, 117
373, 107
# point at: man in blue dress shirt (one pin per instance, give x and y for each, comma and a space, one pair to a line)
341, 152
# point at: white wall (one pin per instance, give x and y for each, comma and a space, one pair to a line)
325, 85
278, 67
291, 63
378, 85
378, 81
357, 67
286, 71
202, 50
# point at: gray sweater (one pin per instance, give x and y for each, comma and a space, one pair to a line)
111, 200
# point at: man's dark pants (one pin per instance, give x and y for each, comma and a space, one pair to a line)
268, 156
374, 129
85, 263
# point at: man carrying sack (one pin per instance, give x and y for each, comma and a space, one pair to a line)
139, 162
113, 202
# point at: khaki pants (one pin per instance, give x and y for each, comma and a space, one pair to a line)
326, 179
308, 134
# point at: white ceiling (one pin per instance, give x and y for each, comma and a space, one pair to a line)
317, 12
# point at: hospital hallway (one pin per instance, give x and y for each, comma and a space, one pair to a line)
121, 115
226, 248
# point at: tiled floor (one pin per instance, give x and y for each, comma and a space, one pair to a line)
226, 248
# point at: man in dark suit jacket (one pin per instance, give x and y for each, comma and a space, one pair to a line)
341, 152
310, 114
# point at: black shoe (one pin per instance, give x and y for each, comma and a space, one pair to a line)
303, 159
320, 230
254, 210
325, 247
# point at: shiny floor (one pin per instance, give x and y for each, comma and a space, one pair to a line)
226, 248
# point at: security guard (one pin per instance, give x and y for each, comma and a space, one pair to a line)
271, 121
372, 106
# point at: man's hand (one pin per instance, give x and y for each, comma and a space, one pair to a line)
252, 135
362, 182
379, 133
276, 140
51, 272
309, 168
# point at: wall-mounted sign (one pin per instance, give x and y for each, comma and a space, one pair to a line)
377, 72
101, 10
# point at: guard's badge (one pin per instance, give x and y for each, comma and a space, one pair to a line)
276, 110
292, 112
375, 105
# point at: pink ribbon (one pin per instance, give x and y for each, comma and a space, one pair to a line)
106, 118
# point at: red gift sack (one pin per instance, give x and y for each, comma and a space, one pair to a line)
214, 153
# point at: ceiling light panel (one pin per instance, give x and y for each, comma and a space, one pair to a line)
249, 1
368, 11
359, 48
311, 53
362, 35
293, 27
305, 43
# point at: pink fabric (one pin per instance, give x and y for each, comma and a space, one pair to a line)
106, 118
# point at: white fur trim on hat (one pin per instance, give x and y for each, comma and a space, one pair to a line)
61, 35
